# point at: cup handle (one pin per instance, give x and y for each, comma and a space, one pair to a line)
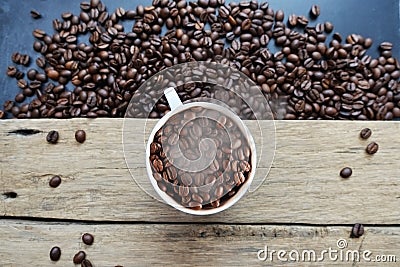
172, 98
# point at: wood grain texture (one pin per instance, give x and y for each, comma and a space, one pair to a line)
27, 243
303, 185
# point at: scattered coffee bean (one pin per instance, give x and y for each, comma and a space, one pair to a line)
55, 253
357, 230
35, 14
315, 11
79, 257
365, 133
55, 181
86, 263
52, 137
8, 105
346, 172
292, 20
80, 136
372, 148
11, 71
87, 238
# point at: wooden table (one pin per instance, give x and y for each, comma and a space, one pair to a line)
303, 204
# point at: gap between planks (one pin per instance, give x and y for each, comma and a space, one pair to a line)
303, 185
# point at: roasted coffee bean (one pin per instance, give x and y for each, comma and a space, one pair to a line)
386, 46
8, 105
85, 6
55, 253
315, 11
80, 136
87, 238
19, 98
365, 133
11, 71
16, 57
279, 15
292, 20
357, 230
22, 83
86, 263
53, 74
52, 137
55, 181
346, 172
35, 14
41, 62
372, 148
328, 27
302, 20
79, 257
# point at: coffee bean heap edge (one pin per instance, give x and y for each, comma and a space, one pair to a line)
311, 78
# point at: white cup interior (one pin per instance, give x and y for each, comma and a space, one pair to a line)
244, 187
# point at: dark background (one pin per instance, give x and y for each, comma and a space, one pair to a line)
378, 19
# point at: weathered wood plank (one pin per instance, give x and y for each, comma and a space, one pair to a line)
26, 243
303, 185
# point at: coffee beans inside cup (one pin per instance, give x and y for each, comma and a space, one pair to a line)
200, 158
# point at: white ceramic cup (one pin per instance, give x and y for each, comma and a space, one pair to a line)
176, 107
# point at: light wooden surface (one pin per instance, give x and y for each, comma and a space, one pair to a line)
25, 243
303, 185
302, 205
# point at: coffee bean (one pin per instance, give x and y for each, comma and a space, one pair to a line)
11, 71
55, 253
79, 257
55, 181
346, 172
365, 133
292, 20
8, 105
302, 20
80, 136
372, 148
279, 15
315, 11
86, 263
386, 46
41, 62
85, 6
357, 230
328, 27
87, 238
52, 137
35, 14
53, 74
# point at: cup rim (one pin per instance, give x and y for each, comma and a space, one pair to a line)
244, 187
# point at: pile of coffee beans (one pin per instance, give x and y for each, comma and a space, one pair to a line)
313, 75
200, 157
